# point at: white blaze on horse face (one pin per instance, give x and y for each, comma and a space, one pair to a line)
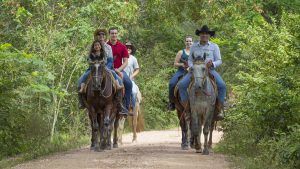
96, 77
199, 75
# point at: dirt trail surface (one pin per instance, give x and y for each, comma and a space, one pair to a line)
154, 149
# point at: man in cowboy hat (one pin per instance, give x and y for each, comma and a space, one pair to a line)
213, 60
132, 70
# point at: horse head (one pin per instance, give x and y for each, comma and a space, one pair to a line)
200, 72
98, 67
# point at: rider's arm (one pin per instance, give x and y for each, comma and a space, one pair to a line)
177, 59
110, 59
125, 57
217, 56
125, 63
135, 67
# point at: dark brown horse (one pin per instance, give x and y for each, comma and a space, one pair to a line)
184, 120
101, 104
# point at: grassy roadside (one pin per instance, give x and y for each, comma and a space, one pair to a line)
59, 144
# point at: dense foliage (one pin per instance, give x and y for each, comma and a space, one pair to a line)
43, 44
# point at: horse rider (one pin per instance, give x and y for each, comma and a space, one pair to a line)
120, 56
213, 60
132, 70
181, 62
100, 36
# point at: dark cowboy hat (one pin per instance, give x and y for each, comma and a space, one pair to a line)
204, 29
97, 31
132, 47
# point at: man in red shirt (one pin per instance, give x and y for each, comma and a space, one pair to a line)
120, 55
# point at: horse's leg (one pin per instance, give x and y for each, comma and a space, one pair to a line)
120, 130
96, 129
93, 132
197, 132
110, 129
102, 132
116, 129
206, 129
188, 129
182, 126
134, 121
211, 129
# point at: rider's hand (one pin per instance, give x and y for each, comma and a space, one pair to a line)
189, 69
119, 73
210, 64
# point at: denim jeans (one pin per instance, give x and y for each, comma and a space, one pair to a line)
128, 89
172, 83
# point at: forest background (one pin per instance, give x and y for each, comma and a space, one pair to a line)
43, 45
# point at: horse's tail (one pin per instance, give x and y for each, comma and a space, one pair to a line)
139, 96
140, 121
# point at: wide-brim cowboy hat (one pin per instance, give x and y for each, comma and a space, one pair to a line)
97, 31
204, 29
129, 44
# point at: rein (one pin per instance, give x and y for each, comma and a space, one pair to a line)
101, 79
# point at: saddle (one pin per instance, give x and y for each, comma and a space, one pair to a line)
176, 90
212, 80
90, 79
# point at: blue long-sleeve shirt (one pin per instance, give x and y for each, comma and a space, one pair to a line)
212, 51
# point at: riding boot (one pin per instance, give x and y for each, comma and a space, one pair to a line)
82, 86
80, 99
121, 108
171, 106
220, 110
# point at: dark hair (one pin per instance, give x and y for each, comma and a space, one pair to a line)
132, 49
112, 28
93, 51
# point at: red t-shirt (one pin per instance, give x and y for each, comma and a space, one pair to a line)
119, 51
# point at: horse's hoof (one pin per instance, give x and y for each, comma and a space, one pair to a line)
205, 152
199, 151
98, 149
115, 146
185, 148
134, 141
108, 148
192, 146
92, 148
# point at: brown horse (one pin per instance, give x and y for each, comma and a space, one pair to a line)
183, 114
101, 104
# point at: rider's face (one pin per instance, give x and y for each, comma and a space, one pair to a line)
204, 37
129, 50
97, 46
113, 34
101, 36
188, 42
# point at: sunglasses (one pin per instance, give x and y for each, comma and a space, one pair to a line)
101, 33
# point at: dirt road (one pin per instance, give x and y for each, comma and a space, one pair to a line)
154, 149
